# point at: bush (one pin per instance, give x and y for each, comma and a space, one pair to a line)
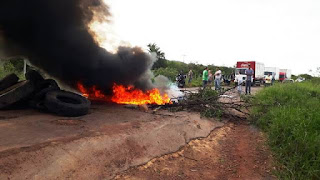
196, 82
170, 73
290, 114
11, 66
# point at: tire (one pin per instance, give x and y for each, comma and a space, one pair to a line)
16, 93
37, 99
39, 105
66, 103
8, 81
44, 87
34, 76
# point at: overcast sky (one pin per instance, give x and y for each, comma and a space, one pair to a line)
280, 33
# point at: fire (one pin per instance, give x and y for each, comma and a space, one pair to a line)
126, 95
130, 95
92, 93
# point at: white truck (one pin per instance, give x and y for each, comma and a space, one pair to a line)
284, 74
273, 71
257, 67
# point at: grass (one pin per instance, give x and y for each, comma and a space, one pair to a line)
290, 114
196, 82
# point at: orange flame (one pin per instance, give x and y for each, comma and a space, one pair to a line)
126, 95
130, 95
91, 93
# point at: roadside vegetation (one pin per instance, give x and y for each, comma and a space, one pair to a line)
14, 65
290, 115
171, 69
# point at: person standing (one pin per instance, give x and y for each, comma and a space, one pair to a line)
238, 80
273, 78
205, 77
268, 80
210, 78
249, 72
190, 76
217, 79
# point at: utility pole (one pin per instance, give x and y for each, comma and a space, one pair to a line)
183, 57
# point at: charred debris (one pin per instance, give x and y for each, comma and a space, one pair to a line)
45, 95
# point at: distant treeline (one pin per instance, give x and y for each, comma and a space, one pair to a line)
171, 69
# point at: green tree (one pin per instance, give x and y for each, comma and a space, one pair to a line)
294, 77
169, 72
306, 76
161, 58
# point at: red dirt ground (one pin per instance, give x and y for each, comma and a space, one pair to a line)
235, 151
109, 140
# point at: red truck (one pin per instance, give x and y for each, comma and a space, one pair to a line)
257, 67
285, 74
282, 76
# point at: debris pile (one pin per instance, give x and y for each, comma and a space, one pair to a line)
206, 101
42, 94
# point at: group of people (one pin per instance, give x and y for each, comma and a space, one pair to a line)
208, 78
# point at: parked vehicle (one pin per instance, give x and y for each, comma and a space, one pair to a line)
273, 71
300, 79
257, 67
181, 80
284, 74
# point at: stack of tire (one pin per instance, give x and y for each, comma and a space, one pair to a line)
42, 94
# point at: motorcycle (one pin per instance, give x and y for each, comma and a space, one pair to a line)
181, 80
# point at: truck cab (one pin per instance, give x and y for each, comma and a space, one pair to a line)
282, 76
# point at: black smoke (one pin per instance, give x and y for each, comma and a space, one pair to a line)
53, 34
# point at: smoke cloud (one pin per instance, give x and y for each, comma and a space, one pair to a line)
54, 35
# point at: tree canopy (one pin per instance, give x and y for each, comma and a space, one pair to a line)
161, 62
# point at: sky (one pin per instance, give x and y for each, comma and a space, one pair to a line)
279, 33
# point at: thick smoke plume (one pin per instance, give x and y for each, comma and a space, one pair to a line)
54, 35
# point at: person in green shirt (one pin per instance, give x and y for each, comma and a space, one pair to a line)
205, 77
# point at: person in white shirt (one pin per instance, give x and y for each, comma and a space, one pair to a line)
217, 79
190, 76
268, 80
239, 81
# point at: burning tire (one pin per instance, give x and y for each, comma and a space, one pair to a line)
66, 103
15, 93
8, 81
